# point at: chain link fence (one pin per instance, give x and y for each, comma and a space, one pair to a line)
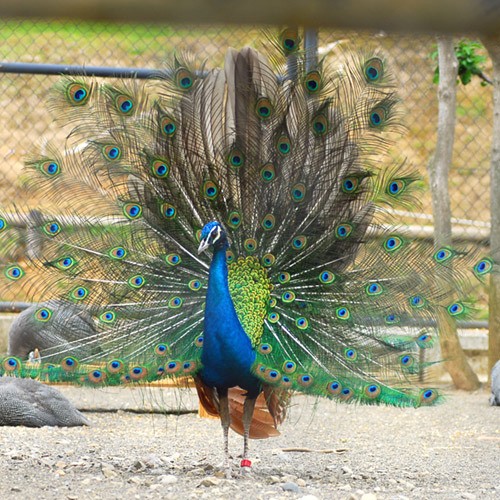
25, 118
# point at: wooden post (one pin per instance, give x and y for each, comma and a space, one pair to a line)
438, 168
493, 46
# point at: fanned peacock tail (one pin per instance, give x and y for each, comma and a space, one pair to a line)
299, 173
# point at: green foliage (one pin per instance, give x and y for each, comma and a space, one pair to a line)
469, 62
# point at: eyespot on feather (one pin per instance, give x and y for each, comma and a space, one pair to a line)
184, 79
96, 377
289, 366
161, 350
320, 125
117, 253
111, 152
289, 40
264, 349
168, 211
250, 245
50, 168
14, 273
483, 267
137, 281
299, 242
268, 260
343, 231
77, 93
210, 190
11, 364
115, 366
428, 396
160, 168
173, 366
305, 380
393, 243
234, 220
138, 373
79, 293
264, 108
52, 228
43, 314
236, 158
267, 173
346, 394
272, 375
326, 277
124, 104
273, 317
372, 391
284, 145
173, 259
334, 388
175, 302
167, 126
189, 367
69, 364
268, 222
65, 263
108, 317
313, 83
132, 211
373, 70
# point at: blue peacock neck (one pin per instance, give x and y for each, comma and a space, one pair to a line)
227, 350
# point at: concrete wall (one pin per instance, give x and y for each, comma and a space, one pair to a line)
5, 322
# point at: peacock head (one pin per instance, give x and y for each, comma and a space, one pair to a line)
211, 234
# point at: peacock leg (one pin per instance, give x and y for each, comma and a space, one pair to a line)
248, 409
225, 419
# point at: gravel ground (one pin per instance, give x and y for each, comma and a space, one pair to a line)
451, 451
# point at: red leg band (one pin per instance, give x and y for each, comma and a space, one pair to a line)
246, 463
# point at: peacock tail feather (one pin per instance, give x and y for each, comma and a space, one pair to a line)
330, 290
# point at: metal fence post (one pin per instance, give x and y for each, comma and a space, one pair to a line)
311, 48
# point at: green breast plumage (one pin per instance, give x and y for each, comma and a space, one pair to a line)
250, 290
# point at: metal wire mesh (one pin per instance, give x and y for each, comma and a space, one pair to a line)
25, 119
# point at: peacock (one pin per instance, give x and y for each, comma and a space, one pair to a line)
238, 227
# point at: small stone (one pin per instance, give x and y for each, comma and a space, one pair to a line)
369, 496
16, 489
138, 465
61, 465
274, 479
108, 471
301, 483
290, 487
135, 480
309, 497
209, 481
347, 470
168, 479
357, 495
468, 496
60, 472
345, 487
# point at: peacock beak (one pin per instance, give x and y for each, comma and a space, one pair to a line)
203, 246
